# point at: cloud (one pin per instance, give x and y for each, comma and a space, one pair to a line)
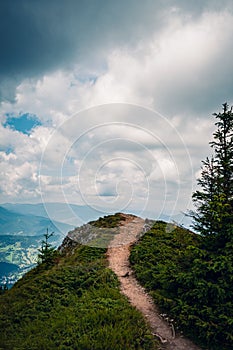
174, 72
100, 140
170, 66
117, 164
38, 38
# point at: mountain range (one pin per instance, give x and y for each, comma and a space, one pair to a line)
71, 214
22, 227
21, 234
21, 222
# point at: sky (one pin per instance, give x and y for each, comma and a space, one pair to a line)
109, 103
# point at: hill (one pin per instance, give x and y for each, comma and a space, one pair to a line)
191, 285
73, 304
78, 302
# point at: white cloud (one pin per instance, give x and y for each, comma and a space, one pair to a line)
123, 149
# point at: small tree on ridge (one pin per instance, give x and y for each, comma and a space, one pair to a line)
47, 251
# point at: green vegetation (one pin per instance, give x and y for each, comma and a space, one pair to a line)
214, 215
19, 250
72, 301
98, 233
46, 252
191, 284
110, 221
74, 304
105, 228
191, 276
3, 288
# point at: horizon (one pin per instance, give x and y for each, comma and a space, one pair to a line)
77, 219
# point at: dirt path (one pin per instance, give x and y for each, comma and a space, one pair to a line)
118, 257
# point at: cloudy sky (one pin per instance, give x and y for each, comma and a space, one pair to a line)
109, 103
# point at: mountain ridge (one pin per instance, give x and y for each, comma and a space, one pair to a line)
14, 223
75, 303
80, 299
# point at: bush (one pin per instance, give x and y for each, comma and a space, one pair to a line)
194, 286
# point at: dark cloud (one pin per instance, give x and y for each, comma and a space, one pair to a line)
40, 36
196, 7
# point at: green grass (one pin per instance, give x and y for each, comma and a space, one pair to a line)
75, 304
110, 221
108, 227
191, 284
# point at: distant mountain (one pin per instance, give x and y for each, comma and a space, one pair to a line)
77, 215
22, 227
20, 237
180, 219
14, 223
18, 254
71, 214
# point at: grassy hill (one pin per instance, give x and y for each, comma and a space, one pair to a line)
192, 285
73, 304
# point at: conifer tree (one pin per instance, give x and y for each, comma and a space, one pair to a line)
47, 251
214, 202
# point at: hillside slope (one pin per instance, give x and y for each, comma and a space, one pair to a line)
73, 304
79, 303
192, 286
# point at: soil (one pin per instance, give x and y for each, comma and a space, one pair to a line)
118, 257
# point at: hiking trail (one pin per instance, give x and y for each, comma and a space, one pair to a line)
118, 257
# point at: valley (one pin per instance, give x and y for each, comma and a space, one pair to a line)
21, 234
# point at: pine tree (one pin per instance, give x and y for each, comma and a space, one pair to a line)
214, 215
47, 251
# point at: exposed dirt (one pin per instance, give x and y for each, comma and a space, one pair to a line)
118, 257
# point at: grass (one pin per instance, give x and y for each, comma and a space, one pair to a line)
191, 284
74, 304
108, 227
110, 221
